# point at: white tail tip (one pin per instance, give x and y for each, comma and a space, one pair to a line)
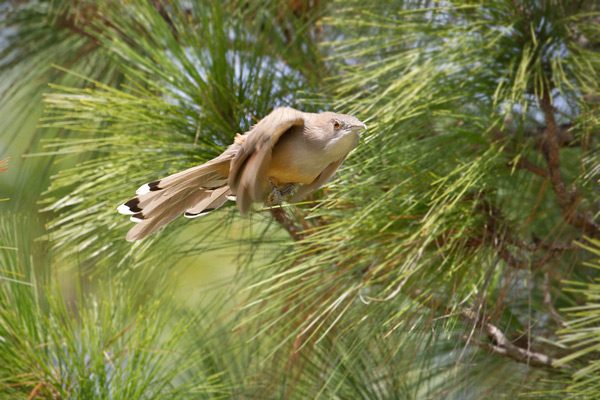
143, 190
190, 215
123, 209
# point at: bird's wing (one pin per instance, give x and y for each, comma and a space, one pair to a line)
323, 177
247, 173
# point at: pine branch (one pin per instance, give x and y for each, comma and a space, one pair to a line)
551, 150
500, 234
288, 224
548, 301
564, 134
502, 346
523, 163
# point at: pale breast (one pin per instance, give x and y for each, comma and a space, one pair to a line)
298, 159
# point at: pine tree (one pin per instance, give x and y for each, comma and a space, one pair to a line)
455, 254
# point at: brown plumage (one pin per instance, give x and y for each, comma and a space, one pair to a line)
287, 147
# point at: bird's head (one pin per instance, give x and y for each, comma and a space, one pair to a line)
343, 124
335, 125
340, 132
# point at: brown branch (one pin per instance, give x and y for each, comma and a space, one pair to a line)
523, 163
526, 164
504, 347
499, 234
551, 150
565, 138
288, 224
564, 135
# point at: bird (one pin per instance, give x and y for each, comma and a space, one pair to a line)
287, 154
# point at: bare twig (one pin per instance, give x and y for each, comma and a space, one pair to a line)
502, 346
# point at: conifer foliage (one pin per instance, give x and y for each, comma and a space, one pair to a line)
455, 254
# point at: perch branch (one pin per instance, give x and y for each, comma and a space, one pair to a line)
288, 224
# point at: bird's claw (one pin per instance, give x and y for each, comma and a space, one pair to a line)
277, 195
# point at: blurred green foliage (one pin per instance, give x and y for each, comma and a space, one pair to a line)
453, 256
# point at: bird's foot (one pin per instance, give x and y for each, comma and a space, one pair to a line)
288, 190
274, 198
277, 195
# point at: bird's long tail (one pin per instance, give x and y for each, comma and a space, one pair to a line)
193, 192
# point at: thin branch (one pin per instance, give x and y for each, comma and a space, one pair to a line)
551, 150
501, 235
526, 164
564, 135
565, 138
288, 224
504, 347
548, 301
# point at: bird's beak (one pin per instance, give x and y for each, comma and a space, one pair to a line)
359, 127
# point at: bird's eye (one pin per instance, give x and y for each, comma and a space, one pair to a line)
336, 125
